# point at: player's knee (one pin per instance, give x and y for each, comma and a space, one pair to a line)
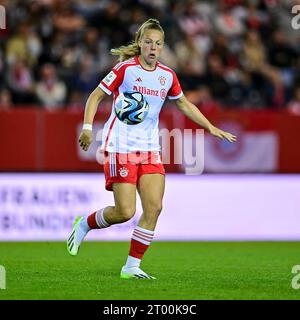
155, 208
125, 213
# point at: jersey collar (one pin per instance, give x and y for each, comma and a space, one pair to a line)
136, 58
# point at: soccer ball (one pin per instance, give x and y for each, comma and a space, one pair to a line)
131, 107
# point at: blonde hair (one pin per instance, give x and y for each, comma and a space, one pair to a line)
133, 49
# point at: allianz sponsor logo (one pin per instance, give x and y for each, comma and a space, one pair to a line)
146, 91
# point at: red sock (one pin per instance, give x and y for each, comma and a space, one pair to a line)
137, 249
140, 241
96, 220
91, 220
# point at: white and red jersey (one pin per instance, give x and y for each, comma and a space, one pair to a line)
155, 85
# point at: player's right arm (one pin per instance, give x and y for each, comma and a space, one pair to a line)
106, 87
86, 136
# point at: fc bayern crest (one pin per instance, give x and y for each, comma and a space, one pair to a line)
163, 94
162, 80
123, 172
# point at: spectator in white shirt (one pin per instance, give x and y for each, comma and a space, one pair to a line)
50, 91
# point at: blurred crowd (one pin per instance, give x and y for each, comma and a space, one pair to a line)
227, 53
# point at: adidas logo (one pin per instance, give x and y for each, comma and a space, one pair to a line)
138, 79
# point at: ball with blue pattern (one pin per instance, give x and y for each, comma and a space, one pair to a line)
131, 107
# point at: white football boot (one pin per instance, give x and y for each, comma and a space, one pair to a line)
134, 273
76, 237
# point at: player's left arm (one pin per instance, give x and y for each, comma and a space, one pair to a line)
193, 113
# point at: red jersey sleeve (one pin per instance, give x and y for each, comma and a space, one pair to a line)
113, 80
175, 92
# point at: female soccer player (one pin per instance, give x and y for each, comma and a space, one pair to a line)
138, 69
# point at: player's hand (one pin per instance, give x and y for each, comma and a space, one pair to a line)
222, 134
85, 139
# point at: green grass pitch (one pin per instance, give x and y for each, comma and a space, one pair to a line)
184, 270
